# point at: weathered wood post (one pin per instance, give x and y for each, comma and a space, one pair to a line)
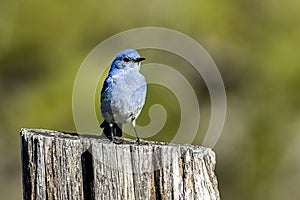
59, 165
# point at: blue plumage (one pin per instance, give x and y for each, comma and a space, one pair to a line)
123, 93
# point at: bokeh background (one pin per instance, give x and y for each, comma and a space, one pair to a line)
255, 45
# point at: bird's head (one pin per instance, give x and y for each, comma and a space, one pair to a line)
127, 60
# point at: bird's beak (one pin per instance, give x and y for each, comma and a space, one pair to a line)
140, 59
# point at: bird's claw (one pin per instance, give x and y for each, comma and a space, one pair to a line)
114, 141
138, 142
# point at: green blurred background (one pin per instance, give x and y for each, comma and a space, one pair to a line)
255, 44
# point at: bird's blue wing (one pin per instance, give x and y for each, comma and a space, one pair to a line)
107, 83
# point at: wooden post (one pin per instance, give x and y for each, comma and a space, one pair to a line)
59, 165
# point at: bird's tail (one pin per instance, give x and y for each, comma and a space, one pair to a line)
117, 129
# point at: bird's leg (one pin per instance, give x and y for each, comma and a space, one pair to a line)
137, 137
135, 131
111, 125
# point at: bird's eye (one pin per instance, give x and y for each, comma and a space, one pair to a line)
126, 59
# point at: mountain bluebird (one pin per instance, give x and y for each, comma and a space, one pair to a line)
123, 93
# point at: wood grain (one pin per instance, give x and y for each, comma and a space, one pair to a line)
59, 165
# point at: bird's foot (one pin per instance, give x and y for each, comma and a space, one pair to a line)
115, 141
138, 141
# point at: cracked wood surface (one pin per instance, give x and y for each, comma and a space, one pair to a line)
58, 165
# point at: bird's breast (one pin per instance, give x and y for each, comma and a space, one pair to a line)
128, 97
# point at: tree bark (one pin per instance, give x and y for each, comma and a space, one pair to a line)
59, 165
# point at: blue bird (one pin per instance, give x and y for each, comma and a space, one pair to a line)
123, 94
